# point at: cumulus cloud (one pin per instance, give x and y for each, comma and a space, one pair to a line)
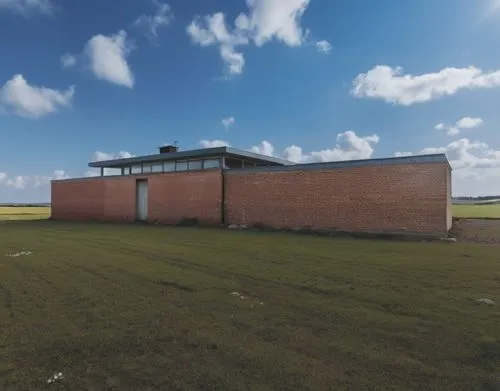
151, 23
44, 180
394, 86
469, 123
27, 7
107, 56
228, 122
17, 182
266, 20
28, 188
32, 101
99, 156
349, 147
324, 46
463, 123
213, 143
264, 148
68, 60
212, 30
276, 19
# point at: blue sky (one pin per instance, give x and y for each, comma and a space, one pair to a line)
307, 80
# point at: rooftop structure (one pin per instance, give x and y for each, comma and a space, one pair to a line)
170, 159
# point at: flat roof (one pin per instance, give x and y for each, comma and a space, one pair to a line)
192, 154
416, 159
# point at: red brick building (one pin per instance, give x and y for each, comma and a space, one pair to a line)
229, 186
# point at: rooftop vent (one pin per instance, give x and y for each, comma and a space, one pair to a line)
169, 148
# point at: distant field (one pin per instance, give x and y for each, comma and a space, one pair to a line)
133, 307
476, 211
24, 213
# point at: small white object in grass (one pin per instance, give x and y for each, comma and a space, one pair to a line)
261, 303
485, 301
242, 297
21, 253
235, 293
55, 377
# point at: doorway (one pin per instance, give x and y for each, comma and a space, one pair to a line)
141, 200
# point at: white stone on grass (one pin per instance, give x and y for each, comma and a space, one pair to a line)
19, 254
486, 301
55, 377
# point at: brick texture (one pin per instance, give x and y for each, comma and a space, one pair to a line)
195, 194
171, 197
411, 198
78, 199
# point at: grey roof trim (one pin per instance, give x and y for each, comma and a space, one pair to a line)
418, 159
196, 153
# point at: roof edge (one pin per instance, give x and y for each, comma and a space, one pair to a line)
416, 159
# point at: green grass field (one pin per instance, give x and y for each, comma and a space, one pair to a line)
132, 307
24, 213
477, 211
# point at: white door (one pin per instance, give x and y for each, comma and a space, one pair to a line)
142, 200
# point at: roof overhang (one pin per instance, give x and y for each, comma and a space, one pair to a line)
193, 154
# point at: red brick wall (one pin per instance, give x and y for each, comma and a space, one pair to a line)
171, 197
195, 194
372, 198
119, 202
78, 199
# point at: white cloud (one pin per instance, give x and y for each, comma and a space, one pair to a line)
26, 7
43, 180
324, 46
213, 143
99, 156
264, 148
463, 123
108, 58
393, 86
32, 101
469, 123
28, 188
17, 182
151, 23
276, 19
349, 147
402, 154
453, 131
68, 60
213, 30
267, 20
228, 122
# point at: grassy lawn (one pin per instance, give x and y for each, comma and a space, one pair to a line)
24, 213
132, 307
476, 211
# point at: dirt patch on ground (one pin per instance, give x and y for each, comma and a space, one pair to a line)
477, 230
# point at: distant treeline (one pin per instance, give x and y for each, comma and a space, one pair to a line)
25, 205
483, 198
